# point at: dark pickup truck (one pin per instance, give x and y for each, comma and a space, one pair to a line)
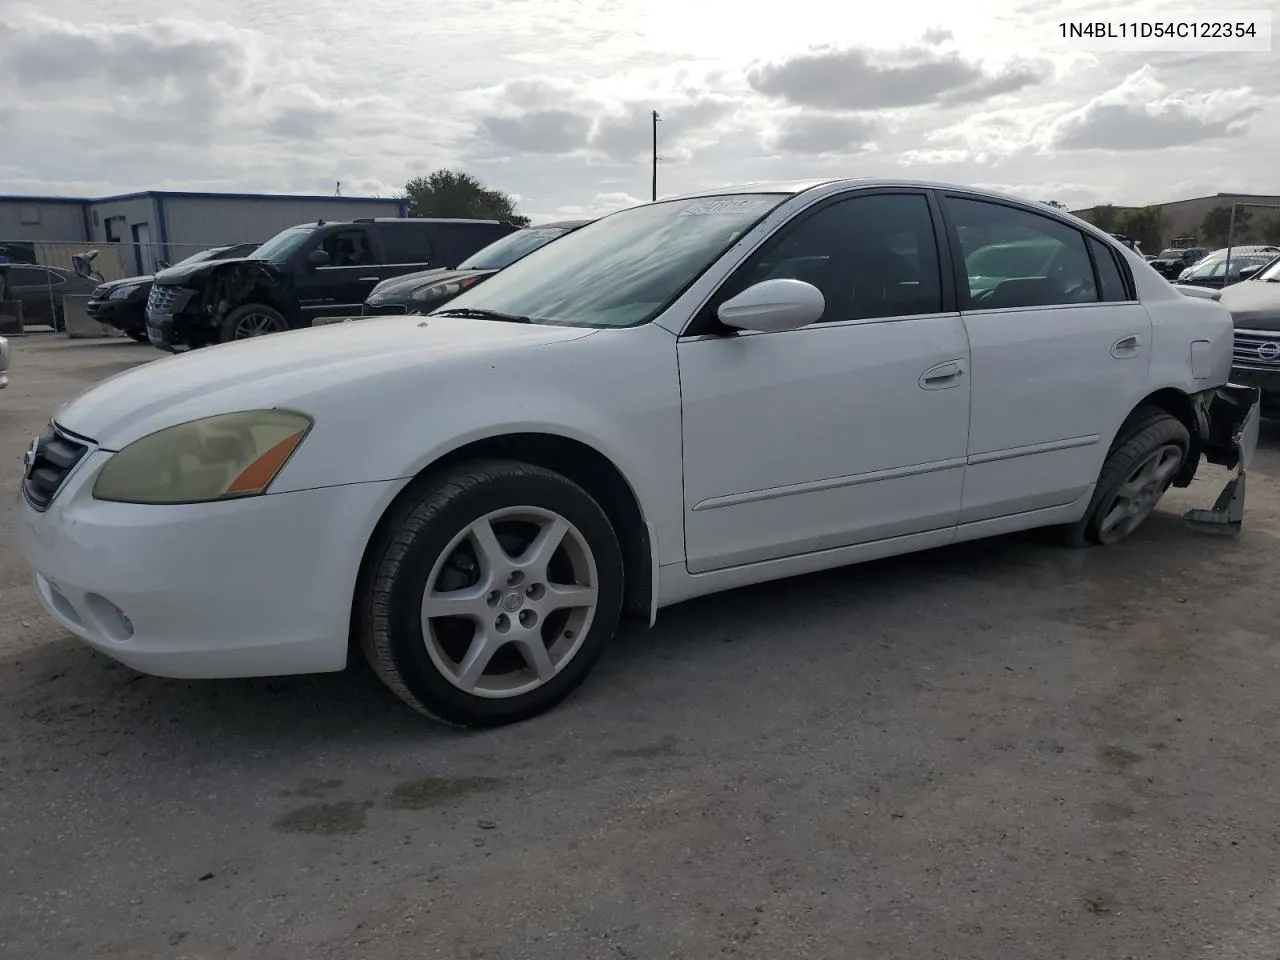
322, 269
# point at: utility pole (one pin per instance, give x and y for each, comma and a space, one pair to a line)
656, 120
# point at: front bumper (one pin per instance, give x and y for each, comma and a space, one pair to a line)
127, 315
387, 308
256, 587
1231, 420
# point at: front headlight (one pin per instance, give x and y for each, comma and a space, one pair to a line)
123, 293
438, 291
224, 457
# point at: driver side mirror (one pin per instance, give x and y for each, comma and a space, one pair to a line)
1249, 273
772, 306
318, 258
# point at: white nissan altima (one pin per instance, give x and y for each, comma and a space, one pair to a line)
680, 398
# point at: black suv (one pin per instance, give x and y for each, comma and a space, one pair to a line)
1173, 261
322, 269
123, 303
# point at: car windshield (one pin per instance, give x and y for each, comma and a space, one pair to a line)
283, 245
622, 270
1270, 272
1173, 253
504, 252
1217, 266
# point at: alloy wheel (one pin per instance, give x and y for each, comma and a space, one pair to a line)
509, 602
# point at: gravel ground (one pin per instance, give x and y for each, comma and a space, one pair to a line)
999, 750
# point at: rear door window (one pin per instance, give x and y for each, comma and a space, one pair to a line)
407, 243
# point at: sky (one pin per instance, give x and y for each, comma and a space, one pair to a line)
549, 100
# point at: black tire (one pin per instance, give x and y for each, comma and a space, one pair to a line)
139, 335
231, 324
1146, 431
412, 540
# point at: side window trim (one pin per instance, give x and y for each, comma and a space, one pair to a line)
1122, 267
705, 322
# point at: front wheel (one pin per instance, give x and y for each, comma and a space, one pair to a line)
1138, 470
490, 593
252, 320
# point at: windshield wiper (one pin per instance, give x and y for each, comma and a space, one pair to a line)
481, 314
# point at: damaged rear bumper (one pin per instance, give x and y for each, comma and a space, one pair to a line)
1230, 417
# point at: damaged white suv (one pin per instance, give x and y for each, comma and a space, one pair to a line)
680, 398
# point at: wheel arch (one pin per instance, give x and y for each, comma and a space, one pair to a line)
1179, 405
580, 462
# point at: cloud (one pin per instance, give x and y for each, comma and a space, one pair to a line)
626, 134
818, 133
863, 79
539, 131
1142, 114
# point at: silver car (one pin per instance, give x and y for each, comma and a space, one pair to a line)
4, 363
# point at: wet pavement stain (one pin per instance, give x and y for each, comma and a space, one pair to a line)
438, 791
325, 819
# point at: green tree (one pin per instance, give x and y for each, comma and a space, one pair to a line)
1269, 230
1217, 223
1055, 204
1144, 225
1104, 218
452, 193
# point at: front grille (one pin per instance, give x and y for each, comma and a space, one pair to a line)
52, 457
1256, 348
165, 299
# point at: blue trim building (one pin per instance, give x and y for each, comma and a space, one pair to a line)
167, 225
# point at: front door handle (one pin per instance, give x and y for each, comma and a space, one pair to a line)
368, 280
943, 376
1126, 347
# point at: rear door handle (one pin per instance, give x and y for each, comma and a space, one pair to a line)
368, 280
943, 376
1126, 347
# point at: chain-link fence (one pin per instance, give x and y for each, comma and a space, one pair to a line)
36, 277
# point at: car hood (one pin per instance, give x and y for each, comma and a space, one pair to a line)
1254, 304
285, 369
182, 273
126, 282
399, 287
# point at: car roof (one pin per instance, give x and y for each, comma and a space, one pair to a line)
560, 225
795, 187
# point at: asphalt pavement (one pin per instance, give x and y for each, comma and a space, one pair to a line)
1004, 749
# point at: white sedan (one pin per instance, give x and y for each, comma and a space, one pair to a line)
680, 398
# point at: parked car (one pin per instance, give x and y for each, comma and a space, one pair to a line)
123, 303
4, 363
1173, 260
1255, 311
40, 291
1211, 271
680, 398
424, 291
322, 269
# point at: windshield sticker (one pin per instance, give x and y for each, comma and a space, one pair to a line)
711, 208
